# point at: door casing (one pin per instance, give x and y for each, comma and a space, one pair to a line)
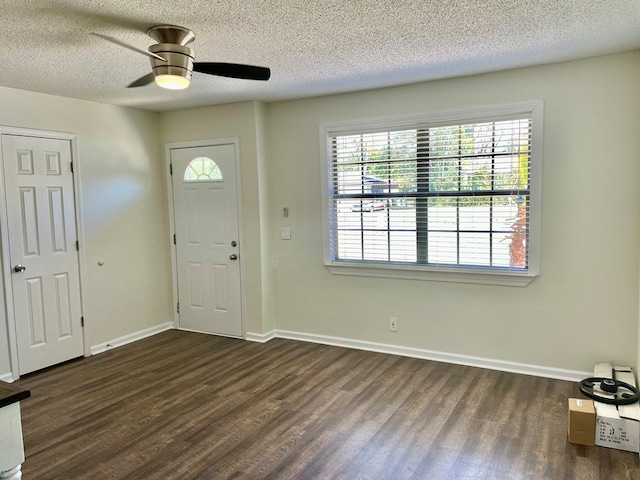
172, 230
6, 284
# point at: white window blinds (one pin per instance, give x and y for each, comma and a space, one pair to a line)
452, 194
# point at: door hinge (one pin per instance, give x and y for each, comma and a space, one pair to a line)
174, 239
82, 322
178, 307
71, 164
171, 169
77, 245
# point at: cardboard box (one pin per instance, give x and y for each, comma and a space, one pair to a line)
582, 422
617, 427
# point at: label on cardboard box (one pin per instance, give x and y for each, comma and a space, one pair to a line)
619, 433
617, 427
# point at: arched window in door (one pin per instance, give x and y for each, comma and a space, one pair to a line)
202, 169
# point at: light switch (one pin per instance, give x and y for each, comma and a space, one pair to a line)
285, 233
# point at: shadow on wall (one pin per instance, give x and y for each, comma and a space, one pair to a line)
118, 176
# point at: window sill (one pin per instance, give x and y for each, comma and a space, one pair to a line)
434, 274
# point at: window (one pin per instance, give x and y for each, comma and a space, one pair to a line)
449, 196
203, 169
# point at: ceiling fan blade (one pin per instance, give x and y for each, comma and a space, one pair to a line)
142, 81
126, 45
233, 70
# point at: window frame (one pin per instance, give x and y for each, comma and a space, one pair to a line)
458, 274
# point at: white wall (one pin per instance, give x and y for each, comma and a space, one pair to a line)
268, 284
584, 306
124, 210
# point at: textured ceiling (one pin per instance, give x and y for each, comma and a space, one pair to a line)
312, 47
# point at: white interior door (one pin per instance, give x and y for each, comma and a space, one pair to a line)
42, 250
207, 250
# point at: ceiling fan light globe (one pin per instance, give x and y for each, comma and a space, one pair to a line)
172, 82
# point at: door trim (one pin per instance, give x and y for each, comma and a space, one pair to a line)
5, 278
235, 141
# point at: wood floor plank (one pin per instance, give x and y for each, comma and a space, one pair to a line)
181, 405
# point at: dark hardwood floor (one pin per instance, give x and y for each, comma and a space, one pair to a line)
183, 405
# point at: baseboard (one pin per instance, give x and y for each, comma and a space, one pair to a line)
260, 337
6, 377
468, 360
492, 364
132, 337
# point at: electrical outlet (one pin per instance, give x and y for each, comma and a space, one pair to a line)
393, 324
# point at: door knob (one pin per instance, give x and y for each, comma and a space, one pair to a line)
233, 256
19, 268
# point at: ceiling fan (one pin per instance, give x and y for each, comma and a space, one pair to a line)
172, 62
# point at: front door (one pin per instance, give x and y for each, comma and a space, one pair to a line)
207, 250
42, 250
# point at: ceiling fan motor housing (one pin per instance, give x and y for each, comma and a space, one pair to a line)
171, 34
179, 60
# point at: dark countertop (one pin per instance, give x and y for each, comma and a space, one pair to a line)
10, 394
